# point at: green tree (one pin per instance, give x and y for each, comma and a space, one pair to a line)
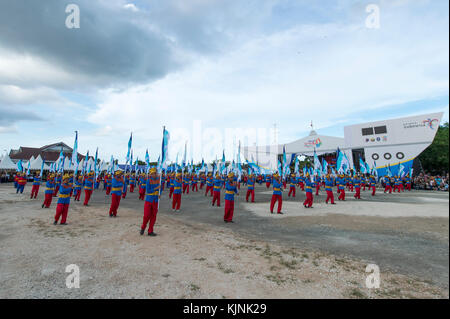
435, 158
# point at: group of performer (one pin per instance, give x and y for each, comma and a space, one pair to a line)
151, 185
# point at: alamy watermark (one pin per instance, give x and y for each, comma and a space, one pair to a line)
373, 19
73, 19
73, 280
373, 280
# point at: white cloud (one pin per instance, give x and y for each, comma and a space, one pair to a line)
320, 72
131, 6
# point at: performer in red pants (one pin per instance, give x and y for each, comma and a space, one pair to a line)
341, 188
116, 193
292, 186
49, 189
36, 184
388, 187
88, 187
217, 186
209, 185
194, 181
151, 203
170, 184
176, 197
230, 190
77, 189
357, 183
251, 187
132, 182
329, 190
276, 196
62, 207
309, 189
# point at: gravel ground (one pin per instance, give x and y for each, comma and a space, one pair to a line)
195, 255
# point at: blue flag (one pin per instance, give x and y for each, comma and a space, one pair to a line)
164, 147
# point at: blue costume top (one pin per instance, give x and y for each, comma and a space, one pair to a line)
217, 184
117, 187
88, 183
230, 190
151, 194
309, 185
176, 186
251, 183
276, 187
64, 194
329, 185
37, 180
49, 187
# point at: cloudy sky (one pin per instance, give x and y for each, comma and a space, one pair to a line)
136, 65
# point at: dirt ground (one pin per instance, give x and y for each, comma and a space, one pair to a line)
188, 258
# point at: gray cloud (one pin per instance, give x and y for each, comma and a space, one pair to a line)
9, 117
110, 45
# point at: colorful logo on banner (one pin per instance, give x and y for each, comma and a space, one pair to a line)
313, 143
431, 123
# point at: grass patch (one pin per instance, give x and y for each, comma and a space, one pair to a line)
288, 264
278, 279
194, 287
224, 270
356, 293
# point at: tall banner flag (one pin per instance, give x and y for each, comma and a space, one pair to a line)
60, 159
111, 165
85, 164
279, 169
401, 170
75, 153
183, 162
285, 163
164, 147
129, 148
28, 167
19, 166
42, 167
147, 161
222, 164
317, 165
362, 166
95, 162
324, 166
374, 169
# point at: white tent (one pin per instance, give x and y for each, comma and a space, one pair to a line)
6, 163
90, 165
36, 164
321, 143
80, 165
102, 166
68, 164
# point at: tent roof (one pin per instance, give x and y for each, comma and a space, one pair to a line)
36, 163
322, 143
6, 163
